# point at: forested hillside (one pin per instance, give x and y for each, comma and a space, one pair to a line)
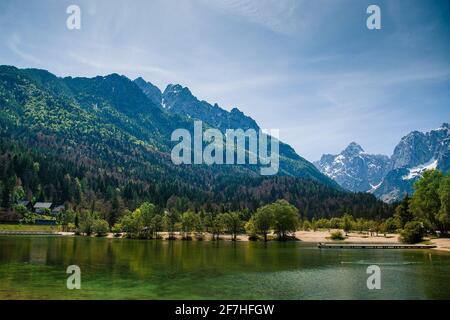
102, 144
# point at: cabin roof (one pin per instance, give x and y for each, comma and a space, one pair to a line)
42, 205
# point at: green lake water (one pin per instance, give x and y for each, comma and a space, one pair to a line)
35, 268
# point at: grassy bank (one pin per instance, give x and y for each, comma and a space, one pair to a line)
28, 227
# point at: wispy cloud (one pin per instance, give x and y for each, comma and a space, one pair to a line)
277, 16
16, 46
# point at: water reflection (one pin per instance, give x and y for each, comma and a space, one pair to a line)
34, 267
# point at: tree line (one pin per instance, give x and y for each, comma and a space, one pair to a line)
426, 212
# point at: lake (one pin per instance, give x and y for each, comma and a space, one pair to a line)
34, 267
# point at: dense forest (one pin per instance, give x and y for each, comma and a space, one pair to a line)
52, 178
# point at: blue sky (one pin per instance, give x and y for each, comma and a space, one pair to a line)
308, 67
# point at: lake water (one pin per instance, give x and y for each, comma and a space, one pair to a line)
35, 268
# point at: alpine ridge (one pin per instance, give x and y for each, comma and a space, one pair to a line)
390, 178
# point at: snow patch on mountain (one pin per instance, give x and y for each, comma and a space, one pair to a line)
420, 169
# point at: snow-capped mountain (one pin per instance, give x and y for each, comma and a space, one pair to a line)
416, 153
419, 148
390, 179
355, 169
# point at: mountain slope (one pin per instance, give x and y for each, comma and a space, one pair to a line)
179, 100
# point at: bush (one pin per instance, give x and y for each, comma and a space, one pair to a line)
100, 227
337, 235
71, 227
413, 232
390, 226
306, 225
335, 223
28, 218
117, 229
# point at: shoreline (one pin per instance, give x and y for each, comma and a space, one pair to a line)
306, 237
314, 238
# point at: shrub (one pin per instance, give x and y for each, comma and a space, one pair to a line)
71, 227
390, 226
100, 227
117, 229
306, 225
413, 232
28, 218
335, 223
337, 235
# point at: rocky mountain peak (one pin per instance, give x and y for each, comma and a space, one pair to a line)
354, 169
390, 178
353, 149
177, 89
445, 126
150, 90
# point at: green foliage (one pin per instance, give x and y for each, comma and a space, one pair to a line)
390, 226
430, 201
251, 230
171, 218
264, 220
18, 194
443, 217
306, 226
156, 224
323, 223
100, 227
347, 223
117, 229
336, 223
413, 232
64, 218
285, 218
403, 212
233, 223
28, 218
218, 225
189, 222
86, 222
337, 235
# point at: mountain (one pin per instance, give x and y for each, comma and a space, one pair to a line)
104, 144
151, 91
416, 152
179, 100
418, 148
390, 178
355, 169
